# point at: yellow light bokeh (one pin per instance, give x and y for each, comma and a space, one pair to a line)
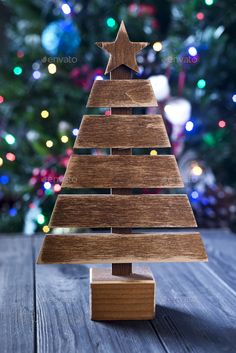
44, 114
46, 229
197, 170
49, 143
1, 161
153, 153
64, 139
157, 46
52, 69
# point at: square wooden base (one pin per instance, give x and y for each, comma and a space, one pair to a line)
122, 297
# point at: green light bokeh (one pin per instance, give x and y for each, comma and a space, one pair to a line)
201, 83
17, 70
111, 22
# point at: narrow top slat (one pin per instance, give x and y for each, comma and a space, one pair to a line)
122, 93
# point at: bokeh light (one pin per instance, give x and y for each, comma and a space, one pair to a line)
44, 114
52, 69
157, 46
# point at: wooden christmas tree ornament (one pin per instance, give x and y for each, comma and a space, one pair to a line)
122, 292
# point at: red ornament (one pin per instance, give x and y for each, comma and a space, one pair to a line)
140, 10
84, 76
20, 54
43, 172
60, 178
98, 72
149, 10
33, 181
10, 157
40, 193
222, 123
155, 24
64, 161
69, 151
200, 16
36, 171
57, 187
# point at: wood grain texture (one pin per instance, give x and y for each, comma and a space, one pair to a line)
221, 245
122, 248
122, 211
122, 93
122, 297
122, 51
122, 172
63, 317
16, 295
120, 131
121, 73
195, 311
194, 305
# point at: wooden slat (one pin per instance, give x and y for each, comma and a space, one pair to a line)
122, 172
122, 93
122, 248
119, 131
16, 295
122, 211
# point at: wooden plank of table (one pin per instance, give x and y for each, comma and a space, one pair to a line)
122, 93
195, 310
16, 295
122, 211
122, 248
122, 131
221, 245
63, 317
122, 172
195, 313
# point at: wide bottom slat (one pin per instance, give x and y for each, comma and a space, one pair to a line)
122, 248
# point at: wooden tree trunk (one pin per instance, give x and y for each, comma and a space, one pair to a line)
121, 73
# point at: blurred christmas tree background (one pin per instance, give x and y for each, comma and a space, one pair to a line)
48, 62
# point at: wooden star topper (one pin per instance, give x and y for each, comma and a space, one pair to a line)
122, 51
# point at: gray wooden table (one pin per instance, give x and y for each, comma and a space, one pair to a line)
45, 309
